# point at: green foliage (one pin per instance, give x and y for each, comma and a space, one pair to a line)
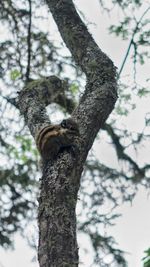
146, 259
122, 111
15, 74
74, 88
147, 120
121, 30
18, 186
143, 92
107, 5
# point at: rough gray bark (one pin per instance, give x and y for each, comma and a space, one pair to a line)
61, 178
100, 93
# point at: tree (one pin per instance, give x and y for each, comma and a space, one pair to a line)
61, 177
96, 73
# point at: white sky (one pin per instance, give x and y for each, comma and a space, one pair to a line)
132, 230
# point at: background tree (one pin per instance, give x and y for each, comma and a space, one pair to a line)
18, 180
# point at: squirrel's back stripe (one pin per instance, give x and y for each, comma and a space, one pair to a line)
43, 132
46, 138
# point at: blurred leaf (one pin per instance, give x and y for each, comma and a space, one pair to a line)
15, 74
146, 259
121, 111
74, 88
143, 92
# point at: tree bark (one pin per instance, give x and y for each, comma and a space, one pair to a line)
61, 178
100, 93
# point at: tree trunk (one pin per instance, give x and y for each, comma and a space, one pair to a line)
57, 219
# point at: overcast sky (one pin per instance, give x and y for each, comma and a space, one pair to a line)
132, 230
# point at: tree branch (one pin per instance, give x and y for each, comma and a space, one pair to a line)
120, 150
100, 94
37, 95
132, 41
29, 42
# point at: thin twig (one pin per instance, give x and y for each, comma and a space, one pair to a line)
29, 42
132, 41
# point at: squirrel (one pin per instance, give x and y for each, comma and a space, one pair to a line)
53, 139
